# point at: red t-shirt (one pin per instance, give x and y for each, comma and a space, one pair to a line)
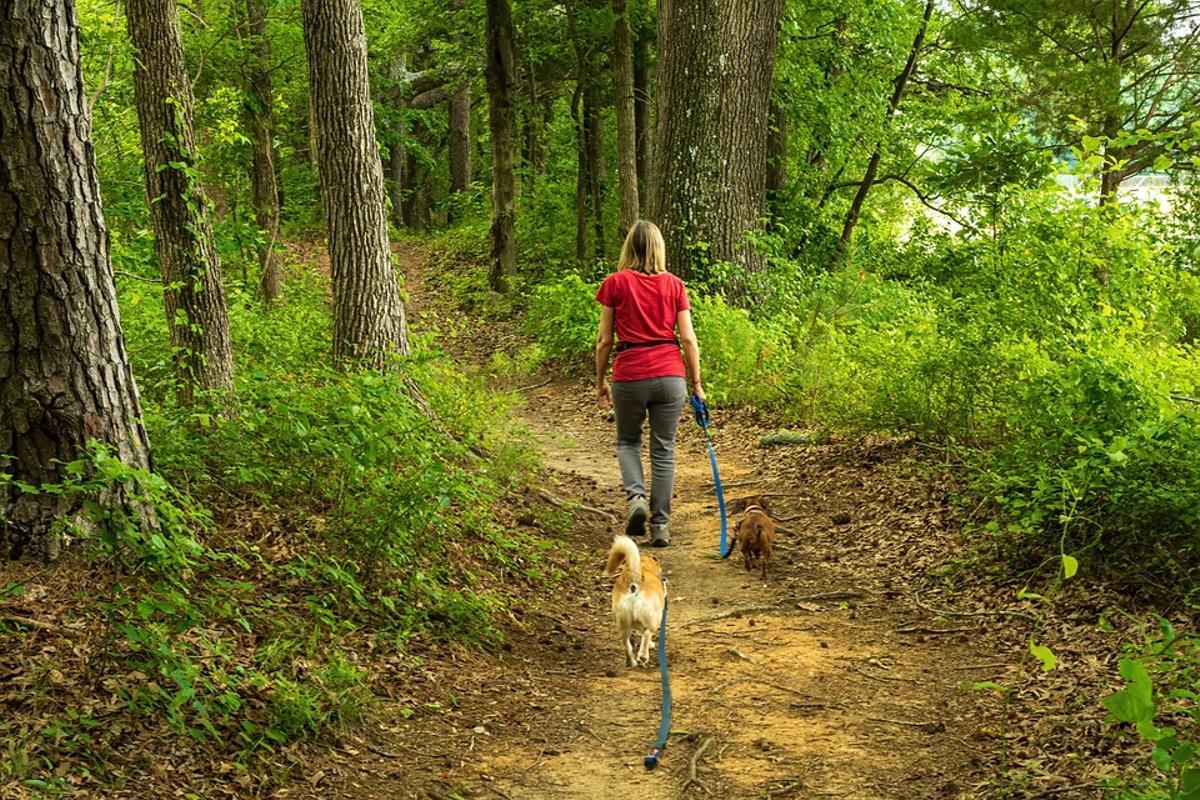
644, 310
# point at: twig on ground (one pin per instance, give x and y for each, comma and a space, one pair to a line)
740, 654
852, 594
999, 612
546, 382
925, 727
887, 678
554, 501
536, 761
29, 622
379, 751
498, 792
693, 779
968, 667
733, 612
787, 788
934, 631
1061, 789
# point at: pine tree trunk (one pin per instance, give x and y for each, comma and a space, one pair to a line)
622, 63
368, 323
641, 109
501, 80
262, 132
65, 377
460, 143
191, 272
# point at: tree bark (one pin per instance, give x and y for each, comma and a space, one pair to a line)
460, 144
581, 174
501, 80
898, 88
751, 29
593, 124
261, 115
641, 108
397, 176
708, 168
623, 97
777, 153
64, 373
416, 194
191, 272
368, 323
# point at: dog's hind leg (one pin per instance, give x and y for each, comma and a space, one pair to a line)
644, 650
628, 645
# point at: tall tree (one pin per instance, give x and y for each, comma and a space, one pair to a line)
622, 64
368, 320
1127, 70
641, 100
501, 80
191, 272
709, 162
898, 87
261, 116
65, 377
460, 125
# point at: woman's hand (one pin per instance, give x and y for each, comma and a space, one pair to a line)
603, 394
698, 391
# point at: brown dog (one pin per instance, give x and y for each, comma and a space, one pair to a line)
755, 533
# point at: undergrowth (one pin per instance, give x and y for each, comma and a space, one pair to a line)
324, 516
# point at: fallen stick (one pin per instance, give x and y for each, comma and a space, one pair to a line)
926, 727
733, 612
535, 385
934, 631
1000, 612
29, 622
554, 501
786, 789
693, 779
846, 595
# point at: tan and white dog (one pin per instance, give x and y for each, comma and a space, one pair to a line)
637, 596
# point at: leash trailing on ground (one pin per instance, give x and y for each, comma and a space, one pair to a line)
703, 420
664, 727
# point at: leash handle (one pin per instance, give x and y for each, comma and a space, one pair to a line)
700, 408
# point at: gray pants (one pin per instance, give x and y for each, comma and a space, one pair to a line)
663, 399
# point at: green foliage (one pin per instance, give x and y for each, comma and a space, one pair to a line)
563, 317
1160, 684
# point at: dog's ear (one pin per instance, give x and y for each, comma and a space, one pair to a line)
737, 506
766, 505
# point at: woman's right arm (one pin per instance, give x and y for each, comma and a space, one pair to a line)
691, 351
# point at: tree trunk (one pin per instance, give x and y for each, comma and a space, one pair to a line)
368, 316
623, 96
898, 87
183, 238
460, 127
581, 175
262, 131
65, 377
708, 166
416, 194
501, 79
777, 152
641, 110
593, 124
751, 29
397, 176
460, 144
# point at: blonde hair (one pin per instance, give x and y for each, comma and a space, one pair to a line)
644, 249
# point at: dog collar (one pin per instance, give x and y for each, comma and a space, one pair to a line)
753, 508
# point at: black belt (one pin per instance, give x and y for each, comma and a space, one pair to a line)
623, 346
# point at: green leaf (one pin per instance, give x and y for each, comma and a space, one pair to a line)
1043, 654
985, 686
1163, 162
1070, 566
1134, 703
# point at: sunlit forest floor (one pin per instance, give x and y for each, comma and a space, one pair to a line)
885, 656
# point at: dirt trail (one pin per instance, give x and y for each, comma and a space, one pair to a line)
822, 681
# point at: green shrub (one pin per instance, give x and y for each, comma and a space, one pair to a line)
563, 317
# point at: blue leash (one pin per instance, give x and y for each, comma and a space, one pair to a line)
664, 728
703, 420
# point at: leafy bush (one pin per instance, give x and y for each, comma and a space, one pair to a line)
563, 316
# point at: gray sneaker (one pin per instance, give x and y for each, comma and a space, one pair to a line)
659, 536
635, 523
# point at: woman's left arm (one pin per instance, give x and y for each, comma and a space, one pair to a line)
604, 346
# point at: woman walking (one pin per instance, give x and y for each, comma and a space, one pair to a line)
647, 309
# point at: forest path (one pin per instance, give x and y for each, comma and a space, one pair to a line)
822, 681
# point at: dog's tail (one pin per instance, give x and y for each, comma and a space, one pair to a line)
624, 551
